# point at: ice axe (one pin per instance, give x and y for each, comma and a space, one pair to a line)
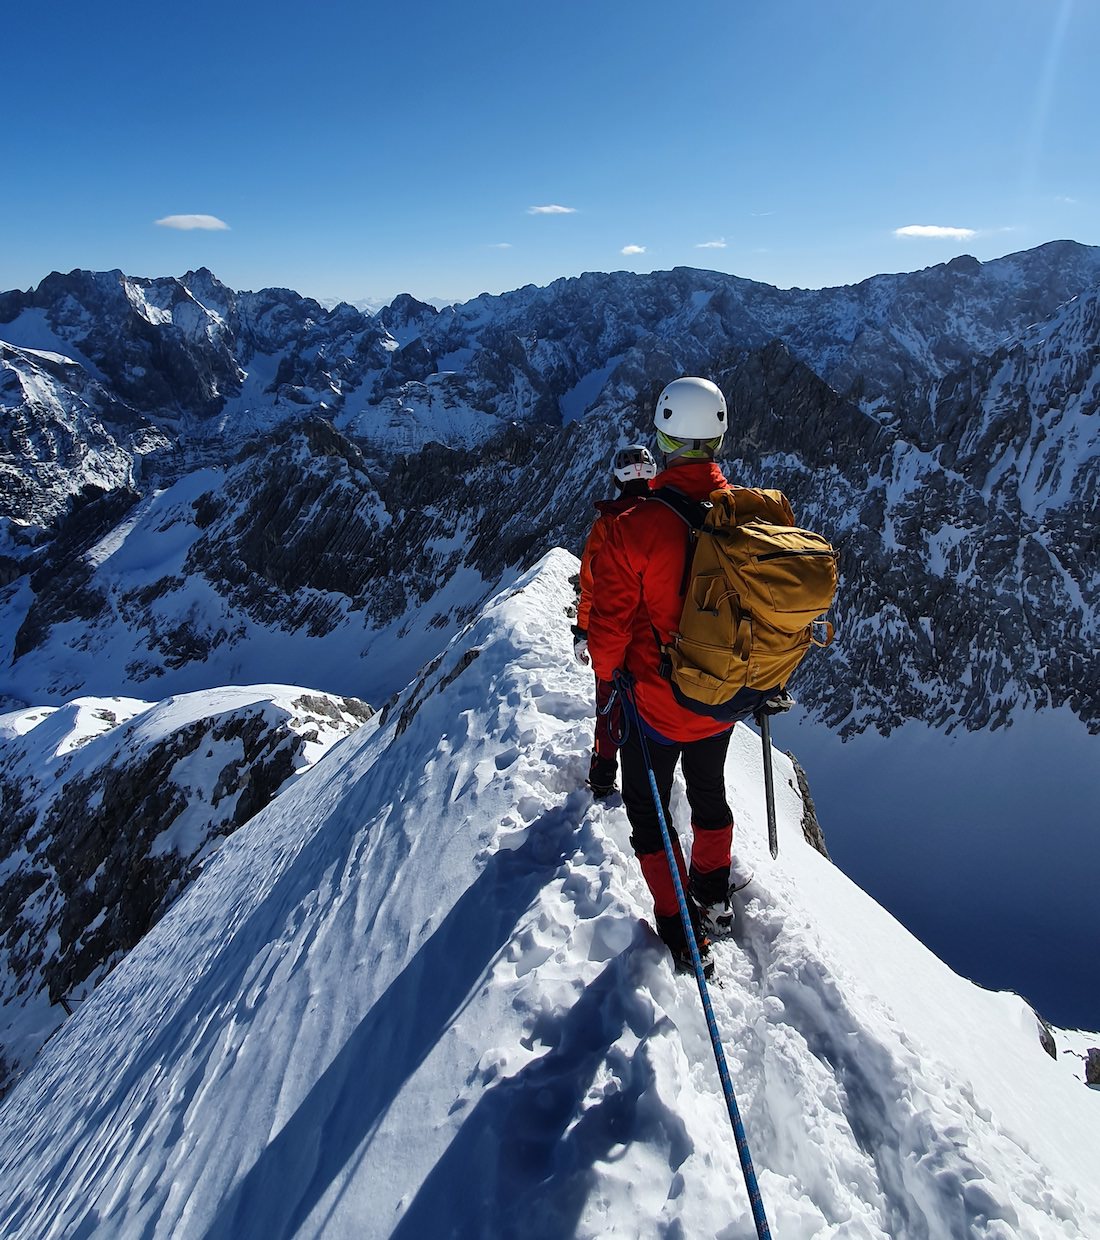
777, 704
769, 788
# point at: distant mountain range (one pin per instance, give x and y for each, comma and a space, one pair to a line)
371, 305
199, 486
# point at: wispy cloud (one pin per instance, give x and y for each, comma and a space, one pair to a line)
633, 249
1066, 200
935, 230
720, 244
210, 223
552, 209
500, 245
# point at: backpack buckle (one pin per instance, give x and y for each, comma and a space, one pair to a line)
821, 631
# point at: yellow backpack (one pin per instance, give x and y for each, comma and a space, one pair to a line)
755, 590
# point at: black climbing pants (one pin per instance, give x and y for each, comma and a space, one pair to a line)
703, 763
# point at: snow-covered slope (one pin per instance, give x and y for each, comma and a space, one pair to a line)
416, 996
111, 807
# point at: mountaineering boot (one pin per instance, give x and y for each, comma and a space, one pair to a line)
671, 930
717, 919
712, 892
601, 776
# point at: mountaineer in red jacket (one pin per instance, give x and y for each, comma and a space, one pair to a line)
636, 604
632, 469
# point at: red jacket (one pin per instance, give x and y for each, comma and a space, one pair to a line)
637, 590
608, 510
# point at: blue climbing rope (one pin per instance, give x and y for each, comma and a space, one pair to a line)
624, 684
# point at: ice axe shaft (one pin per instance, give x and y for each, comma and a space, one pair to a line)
769, 786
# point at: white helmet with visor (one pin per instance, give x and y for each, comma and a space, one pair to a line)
634, 462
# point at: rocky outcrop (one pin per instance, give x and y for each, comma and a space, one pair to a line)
63, 433
811, 828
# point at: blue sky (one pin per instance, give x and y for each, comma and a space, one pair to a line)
360, 150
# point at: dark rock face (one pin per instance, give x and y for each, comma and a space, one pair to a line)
101, 833
95, 847
1092, 1067
282, 527
405, 315
1046, 1036
64, 585
811, 828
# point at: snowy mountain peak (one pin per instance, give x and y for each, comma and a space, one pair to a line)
927, 422
964, 265
416, 996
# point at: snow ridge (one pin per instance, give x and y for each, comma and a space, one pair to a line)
416, 996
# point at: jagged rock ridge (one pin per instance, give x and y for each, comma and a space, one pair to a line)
963, 500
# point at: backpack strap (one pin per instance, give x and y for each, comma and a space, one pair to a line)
693, 512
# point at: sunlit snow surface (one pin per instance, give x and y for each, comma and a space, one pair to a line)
416, 996
62, 770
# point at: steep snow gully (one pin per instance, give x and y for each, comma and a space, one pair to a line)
416, 996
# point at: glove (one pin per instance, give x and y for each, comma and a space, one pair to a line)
580, 646
779, 702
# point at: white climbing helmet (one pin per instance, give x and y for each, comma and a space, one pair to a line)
633, 462
691, 409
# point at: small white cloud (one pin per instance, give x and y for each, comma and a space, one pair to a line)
633, 249
210, 223
720, 244
935, 230
1067, 200
552, 209
500, 245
